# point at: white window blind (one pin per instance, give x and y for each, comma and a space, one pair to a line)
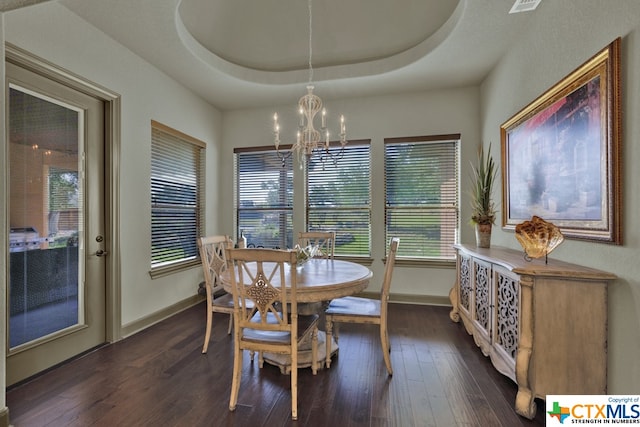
339, 198
177, 201
422, 200
264, 198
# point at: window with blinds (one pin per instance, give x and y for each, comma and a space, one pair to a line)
422, 200
339, 198
177, 197
264, 198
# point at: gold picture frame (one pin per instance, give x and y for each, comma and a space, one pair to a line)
561, 154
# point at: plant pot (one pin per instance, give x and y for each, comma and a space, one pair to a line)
483, 235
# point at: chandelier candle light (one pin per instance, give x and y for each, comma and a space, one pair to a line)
308, 138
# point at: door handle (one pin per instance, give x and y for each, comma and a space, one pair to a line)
100, 252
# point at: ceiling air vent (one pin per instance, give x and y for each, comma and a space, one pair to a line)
524, 5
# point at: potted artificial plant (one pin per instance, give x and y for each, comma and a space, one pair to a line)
483, 215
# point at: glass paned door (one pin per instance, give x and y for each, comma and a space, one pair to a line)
56, 208
46, 143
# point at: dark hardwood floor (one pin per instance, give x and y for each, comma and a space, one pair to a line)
159, 377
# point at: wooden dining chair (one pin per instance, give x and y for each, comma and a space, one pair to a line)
325, 241
213, 257
267, 278
364, 310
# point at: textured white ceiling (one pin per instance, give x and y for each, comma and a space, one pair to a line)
273, 35
6, 5
248, 53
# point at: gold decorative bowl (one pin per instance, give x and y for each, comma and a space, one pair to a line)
538, 237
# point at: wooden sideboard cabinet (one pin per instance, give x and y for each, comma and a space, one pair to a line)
543, 325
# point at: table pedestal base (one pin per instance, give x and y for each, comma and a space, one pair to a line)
304, 355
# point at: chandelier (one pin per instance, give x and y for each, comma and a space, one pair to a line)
310, 140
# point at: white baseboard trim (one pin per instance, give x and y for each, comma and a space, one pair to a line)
4, 417
411, 299
153, 318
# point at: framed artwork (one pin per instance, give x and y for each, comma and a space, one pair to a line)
561, 154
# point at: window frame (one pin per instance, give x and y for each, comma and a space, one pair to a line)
309, 208
414, 259
285, 159
180, 141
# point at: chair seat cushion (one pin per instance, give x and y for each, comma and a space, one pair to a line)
354, 306
226, 301
305, 324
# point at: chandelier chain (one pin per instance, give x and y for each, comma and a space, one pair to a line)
310, 43
310, 140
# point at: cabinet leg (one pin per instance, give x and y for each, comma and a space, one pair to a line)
525, 403
453, 297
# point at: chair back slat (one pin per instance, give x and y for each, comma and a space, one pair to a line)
213, 258
325, 241
266, 278
388, 269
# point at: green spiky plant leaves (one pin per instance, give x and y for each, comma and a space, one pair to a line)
483, 176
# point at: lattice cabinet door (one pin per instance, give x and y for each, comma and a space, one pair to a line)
466, 289
506, 330
482, 303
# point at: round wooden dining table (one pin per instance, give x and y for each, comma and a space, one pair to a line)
325, 279
318, 280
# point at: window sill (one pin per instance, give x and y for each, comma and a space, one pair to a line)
404, 262
359, 260
173, 268
424, 263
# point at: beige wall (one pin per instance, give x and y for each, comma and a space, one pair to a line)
561, 36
